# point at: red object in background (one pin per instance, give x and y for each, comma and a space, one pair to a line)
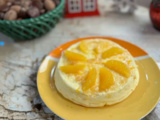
80, 8
155, 13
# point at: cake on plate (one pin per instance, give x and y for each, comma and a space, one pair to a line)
95, 73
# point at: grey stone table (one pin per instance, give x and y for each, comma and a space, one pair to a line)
19, 61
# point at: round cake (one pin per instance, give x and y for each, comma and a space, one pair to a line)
96, 72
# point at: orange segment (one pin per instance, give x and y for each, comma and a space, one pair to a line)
101, 47
72, 69
83, 47
106, 79
74, 56
112, 52
90, 80
118, 67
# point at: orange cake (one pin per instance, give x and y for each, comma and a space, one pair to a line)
96, 72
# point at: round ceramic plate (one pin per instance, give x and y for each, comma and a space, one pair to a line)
136, 106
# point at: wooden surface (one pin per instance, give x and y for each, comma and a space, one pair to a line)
19, 61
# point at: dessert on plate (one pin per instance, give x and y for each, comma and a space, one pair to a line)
95, 73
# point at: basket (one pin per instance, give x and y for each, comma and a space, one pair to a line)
33, 27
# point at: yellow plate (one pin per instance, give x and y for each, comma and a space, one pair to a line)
136, 106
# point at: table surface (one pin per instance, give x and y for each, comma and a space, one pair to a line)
19, 61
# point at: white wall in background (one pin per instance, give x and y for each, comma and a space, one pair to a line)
118, 5
145, 3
